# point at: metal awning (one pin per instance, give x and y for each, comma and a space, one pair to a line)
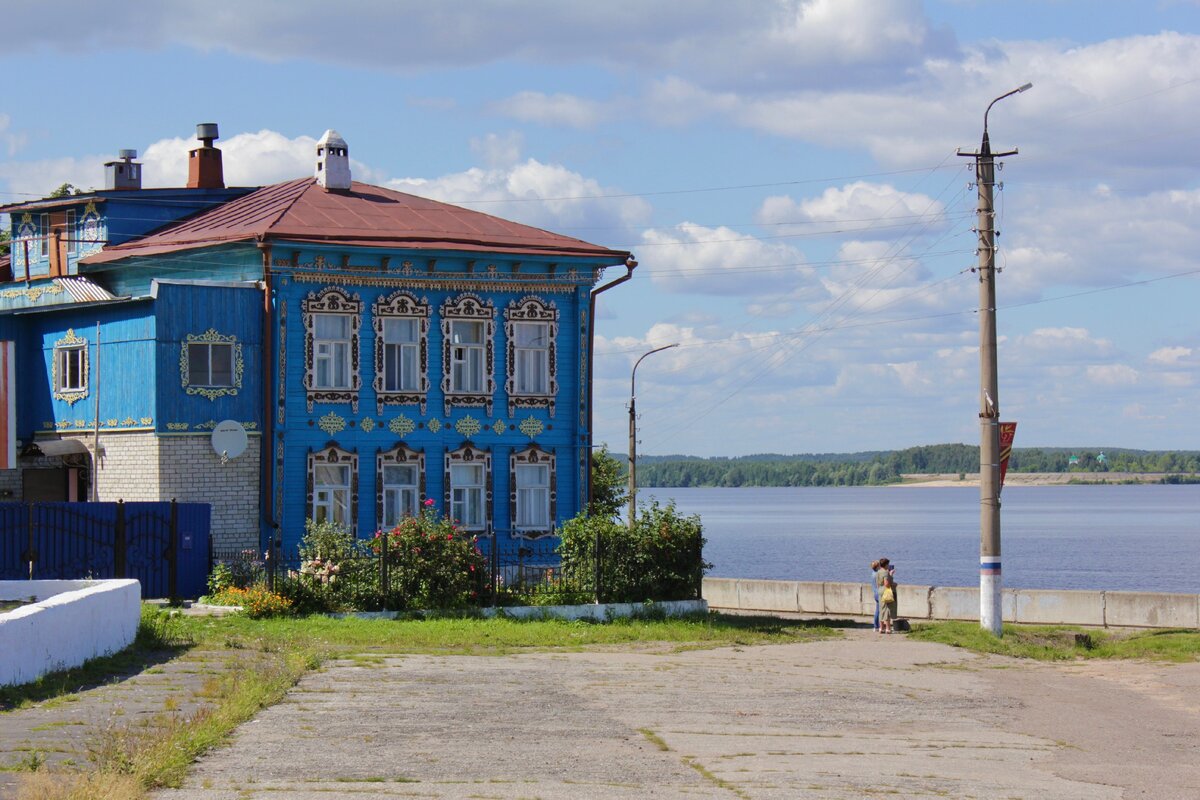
57, 447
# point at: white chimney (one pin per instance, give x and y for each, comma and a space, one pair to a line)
333, 161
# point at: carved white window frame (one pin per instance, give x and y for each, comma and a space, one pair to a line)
400, 455
401, 305
70, 346
211, 338
531, 310
469, 308
532, 456
468, 454
332, 455
332, 300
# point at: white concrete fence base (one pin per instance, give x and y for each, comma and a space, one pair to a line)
70, 623
1028, 606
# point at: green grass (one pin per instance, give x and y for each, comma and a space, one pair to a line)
159, 638
1065, 642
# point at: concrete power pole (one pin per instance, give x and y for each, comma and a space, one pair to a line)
990, 584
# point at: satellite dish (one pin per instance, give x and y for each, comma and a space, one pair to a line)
229, 439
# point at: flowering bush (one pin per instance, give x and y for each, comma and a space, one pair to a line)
431, 564
256, 601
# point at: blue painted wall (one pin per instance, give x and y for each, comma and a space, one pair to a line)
434, 432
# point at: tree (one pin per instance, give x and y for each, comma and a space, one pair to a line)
608, 485
66, 190
4, 242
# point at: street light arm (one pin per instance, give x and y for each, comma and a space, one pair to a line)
633, 375
1018, 90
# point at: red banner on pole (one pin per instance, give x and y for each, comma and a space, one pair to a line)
1008, 432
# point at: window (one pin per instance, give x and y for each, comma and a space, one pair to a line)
401, 324
71, 369
331, 321
530, 327
400, 340
531, 343
331, 351
400, 496
532, 492
466, 495
333, 486
45, 234
210, 365
331, 494
468, 478
468, 353
533, 497
70, 234
466, 357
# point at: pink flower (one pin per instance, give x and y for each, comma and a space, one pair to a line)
449, 537
428, 502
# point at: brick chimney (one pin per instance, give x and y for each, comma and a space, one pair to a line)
204, 163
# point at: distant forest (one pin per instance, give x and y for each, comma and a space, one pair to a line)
883, 467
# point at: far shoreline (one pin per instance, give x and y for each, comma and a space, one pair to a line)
943, 480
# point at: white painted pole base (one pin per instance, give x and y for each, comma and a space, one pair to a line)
991, 616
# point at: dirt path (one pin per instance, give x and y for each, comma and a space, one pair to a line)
860, 717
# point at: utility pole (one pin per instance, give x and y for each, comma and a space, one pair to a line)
990, 607
633, 433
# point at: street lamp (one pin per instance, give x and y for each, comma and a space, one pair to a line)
633, 432
990, 609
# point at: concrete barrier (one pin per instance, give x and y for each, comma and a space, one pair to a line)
1145, 610
847, 598
1029, 606
722, 592
71, 622
768, 595
1049, 607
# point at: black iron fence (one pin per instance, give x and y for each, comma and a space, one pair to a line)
509, 572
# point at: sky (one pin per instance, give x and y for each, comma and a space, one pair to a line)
785, 171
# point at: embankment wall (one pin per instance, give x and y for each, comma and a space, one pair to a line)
1031, 606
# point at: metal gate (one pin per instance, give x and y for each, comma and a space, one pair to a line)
163, 545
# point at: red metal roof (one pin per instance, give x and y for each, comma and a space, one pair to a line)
364, 216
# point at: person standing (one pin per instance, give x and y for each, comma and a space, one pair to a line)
887, 605
875, 589
881, 574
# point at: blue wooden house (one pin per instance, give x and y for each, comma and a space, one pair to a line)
315, 349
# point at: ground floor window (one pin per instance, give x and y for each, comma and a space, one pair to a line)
467, 495
333, 486
400, 494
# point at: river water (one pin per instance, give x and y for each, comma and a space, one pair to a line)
1134, 537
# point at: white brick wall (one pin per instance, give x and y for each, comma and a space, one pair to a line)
144, 466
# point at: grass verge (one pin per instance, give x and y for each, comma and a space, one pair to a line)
1065, 642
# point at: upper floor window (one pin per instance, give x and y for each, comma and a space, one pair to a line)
468, 331
210, 364
466, 356
331, 322
331, 351
69, 368
401, 323
531, 326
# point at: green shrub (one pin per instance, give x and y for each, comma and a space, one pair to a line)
660, 558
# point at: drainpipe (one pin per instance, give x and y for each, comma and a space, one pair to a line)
630, 264
266, 448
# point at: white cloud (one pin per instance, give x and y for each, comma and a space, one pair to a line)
691, 258
555, 109
860, 209
1170, 355
535, 193
1112, 374
248, 159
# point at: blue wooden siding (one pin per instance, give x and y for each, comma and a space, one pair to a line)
236, 262
304, 431
231, 312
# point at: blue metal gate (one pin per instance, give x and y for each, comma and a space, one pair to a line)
163, 545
